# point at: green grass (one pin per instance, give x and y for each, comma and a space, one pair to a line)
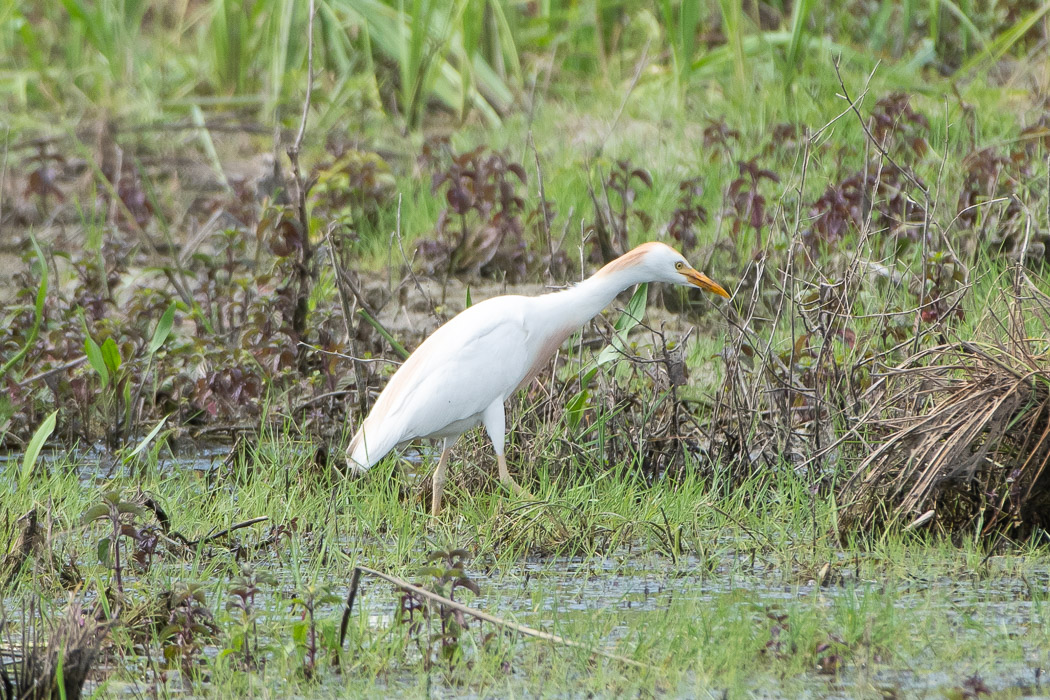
142, 59
736, 609
726, 578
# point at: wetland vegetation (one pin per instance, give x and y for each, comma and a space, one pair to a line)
212, 258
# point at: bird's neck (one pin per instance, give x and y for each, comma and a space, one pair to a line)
586, 300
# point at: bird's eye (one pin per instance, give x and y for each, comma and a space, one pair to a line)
679, 265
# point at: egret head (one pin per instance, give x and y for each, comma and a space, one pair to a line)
666, 264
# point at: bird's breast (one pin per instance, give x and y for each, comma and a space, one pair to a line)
545, 349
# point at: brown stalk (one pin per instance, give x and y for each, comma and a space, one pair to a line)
477, 614
303, 272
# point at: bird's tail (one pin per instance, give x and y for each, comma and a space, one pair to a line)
355, 458
362, 454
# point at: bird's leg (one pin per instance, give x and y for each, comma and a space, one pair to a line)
439, 481
496, 426
504, 475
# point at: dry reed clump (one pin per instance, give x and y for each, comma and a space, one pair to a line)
59, 667
959, 437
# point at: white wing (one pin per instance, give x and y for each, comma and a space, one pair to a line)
478, 357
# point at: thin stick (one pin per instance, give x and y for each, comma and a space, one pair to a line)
321, 397
355, 582
340, 284
3, 169
50, 372
474, 612
642, 62
343, 301
297, 144
363, 360
875, 142
408, 263
544, 210
222, 533
381, 329
299, 318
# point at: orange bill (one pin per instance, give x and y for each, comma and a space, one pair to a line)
704, 282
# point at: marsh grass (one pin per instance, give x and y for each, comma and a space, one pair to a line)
759, 592
739, 578
155, 60
696, 527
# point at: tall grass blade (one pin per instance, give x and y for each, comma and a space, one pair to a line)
163, 329
1005, 41
630, 318
715, 62
437, 55
144, 443
732, 23
680, 28
966, 22
398, 347
507, 50
36, 443
96, 359
799, 19
933, 21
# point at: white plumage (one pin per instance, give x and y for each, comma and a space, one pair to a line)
464, 372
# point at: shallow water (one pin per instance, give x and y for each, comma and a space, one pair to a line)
620, 593
545, 593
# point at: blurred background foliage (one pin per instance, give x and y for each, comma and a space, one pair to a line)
149, 59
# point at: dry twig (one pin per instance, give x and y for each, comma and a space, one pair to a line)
475, 613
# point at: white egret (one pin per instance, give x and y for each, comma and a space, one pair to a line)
464, 372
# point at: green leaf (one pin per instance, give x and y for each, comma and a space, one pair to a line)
111, 356
127, 402
398, 347
329, 599
103, 551
586, 379
149, 438
578, 403
126, 507
95, 512
163, 329
35, 444
575, 408
60, 678
635, 310
94, 355
469, 302
630, 318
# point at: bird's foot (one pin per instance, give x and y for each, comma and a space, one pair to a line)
517, 490
507, 480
